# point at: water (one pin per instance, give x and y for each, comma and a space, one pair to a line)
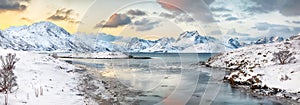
173, 79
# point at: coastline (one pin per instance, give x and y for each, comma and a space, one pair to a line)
101, 89
247, 88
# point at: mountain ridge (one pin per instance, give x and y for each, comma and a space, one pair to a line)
47, 36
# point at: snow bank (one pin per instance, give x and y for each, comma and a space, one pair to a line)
253, 67
42, 80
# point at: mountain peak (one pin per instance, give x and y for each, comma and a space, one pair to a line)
44, 23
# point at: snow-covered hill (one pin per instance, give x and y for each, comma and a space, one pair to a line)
254, 66
41, 36
43, 80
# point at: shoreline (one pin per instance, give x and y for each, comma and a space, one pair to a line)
116, 92
247, 89
105, 58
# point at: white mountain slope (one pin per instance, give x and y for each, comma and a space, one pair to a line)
190, 38
192, 41
41, 36
137, 45
162, 45
188, 42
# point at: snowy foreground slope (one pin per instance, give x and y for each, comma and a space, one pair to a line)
42, 80
254, 68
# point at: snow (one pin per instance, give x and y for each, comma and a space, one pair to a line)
45, 76
258, 60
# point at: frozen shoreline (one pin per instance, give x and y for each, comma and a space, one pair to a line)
253, 69
98, 55
101, 89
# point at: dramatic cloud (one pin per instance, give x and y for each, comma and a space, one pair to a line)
13, 5
231, 19
145, 24
285, 7
64, 15
197, 8
114, 21
136, 12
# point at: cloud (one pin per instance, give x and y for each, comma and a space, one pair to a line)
13, 5
115, 20
136, 12
276, 29
184, 18
266, 26
231, 19
285, 7
64, 15
296, 22
197, 8
145, 24
226, 15
179, 17
220, 9
26, 19
215, 32
233, 32
167, 15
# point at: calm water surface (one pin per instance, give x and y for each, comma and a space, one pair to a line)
173, 79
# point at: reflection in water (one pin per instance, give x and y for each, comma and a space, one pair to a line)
170, 79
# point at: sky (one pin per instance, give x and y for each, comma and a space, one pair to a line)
152, 19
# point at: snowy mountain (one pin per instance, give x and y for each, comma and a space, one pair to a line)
234, 43
266, 40
190, 38
295, 37
41, 36
46, 36
187, 42
137, 45
162, 45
